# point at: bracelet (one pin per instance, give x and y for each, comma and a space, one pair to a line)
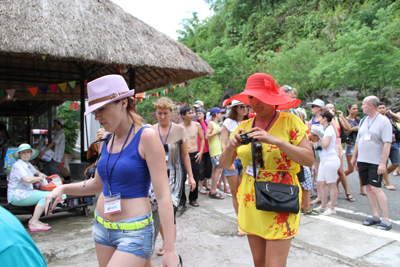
222, 154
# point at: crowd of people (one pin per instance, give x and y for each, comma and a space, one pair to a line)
265, 152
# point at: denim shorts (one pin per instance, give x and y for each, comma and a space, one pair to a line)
137, 242
349, 150
394, 155
238, 168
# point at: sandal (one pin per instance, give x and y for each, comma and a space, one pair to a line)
194, 203
370, 221
315, 202
44, 228
227, 190
238, 233
350, 198
215, 196
160, 252
207, 188
384, 226
203, 192
310, 212
219, 187
390, 187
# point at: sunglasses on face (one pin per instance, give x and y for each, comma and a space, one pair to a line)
243, 106
314, 106
288, 89
258, 155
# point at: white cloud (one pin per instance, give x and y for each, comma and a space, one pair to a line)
164, 15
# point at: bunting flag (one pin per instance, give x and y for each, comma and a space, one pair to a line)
62, 86
11, 93
44, 57
72, 84
33, 91
142, 96
1, 93
53, 88
43, 89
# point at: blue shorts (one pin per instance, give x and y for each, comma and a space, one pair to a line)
349, 150
394, 155
238, 169
137, 242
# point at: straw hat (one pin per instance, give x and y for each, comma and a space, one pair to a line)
23, 147
264, 87
236, 103
105, 90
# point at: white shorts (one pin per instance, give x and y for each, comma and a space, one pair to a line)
328, 170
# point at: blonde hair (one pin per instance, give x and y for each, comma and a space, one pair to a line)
163, 103
329, 105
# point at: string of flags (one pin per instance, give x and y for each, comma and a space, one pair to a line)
73, 105
140, 97
43, 89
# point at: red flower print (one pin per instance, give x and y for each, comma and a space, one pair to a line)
282, 167
287, 179
293, 134
275, 178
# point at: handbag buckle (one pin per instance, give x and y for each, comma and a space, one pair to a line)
266, 187
291, 191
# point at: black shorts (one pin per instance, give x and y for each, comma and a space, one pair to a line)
205, 166
369, 174
195, 168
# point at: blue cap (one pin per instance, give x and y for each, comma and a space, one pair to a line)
216, 110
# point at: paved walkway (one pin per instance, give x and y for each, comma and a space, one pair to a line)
207, 237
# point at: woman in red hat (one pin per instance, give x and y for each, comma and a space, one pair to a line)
283, 147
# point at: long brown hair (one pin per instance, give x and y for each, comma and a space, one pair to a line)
130, 109
233, 114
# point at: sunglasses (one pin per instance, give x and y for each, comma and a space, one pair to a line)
243, 106
288, 89
314, 106
258, 155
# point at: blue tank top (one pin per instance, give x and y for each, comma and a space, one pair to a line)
130, 176
313, 122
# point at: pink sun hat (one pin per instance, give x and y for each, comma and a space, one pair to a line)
105, 90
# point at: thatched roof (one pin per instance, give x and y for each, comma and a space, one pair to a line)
86, 37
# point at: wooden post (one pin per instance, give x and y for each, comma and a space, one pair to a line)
82, 87
187, 93
49, 121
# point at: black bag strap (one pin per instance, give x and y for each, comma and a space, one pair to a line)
341, 127
254, 162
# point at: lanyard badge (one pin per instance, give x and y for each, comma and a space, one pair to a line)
112, 204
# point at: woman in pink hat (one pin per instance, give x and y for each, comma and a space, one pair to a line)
281, 148
123, 226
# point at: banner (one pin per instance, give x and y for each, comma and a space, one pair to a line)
11, 93
33, 91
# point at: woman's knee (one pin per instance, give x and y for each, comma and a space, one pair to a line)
42, 202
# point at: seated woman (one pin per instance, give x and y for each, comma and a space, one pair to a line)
20, 189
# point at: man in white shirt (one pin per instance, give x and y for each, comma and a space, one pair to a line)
58, 146
371, 152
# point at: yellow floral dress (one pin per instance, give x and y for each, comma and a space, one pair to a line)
278, 168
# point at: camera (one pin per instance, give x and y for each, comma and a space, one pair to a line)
318, 148
246, 139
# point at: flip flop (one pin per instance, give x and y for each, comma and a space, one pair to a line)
390, 187
240, 233
215, 196
363, 194
39, 229
203, 192
226, 190
370, 221
315, 202
160, 252
350, 198
194, 203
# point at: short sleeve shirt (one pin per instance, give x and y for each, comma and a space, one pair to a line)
379, 131
59, 141
231, 125
16, 186
330, 151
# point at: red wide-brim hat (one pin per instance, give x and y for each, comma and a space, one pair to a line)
264, 88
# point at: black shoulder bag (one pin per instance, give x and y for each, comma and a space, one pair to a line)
344, 136
275, 197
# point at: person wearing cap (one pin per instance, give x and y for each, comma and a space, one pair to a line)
281, 148
239, 112
214, 141
317, 107
293, 93
58, 146
197, 104
132, 157
20, 190
329, 165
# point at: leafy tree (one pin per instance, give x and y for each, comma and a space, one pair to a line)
364, 57
71, 125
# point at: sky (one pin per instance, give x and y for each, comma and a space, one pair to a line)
165, 15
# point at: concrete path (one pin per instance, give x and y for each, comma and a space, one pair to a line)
207, 237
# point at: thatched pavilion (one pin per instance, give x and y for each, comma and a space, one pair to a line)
49, 42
